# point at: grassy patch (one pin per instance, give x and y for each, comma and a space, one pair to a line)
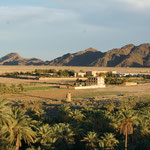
39, 88
103, 93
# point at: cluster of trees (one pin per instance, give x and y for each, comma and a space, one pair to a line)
111, 78
11, 89
65, 73
54, 73
114, 80
27, 126
146, 77
43, 73
16, 74
108, 80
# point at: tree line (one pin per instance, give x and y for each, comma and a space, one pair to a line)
42, 73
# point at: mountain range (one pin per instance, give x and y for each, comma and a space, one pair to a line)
127, 56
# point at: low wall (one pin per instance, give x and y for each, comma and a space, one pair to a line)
129, 83
61, 79
20, 77
90, 87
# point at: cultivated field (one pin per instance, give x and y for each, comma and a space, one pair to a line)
110, 92
47, 90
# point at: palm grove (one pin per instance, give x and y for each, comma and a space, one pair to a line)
33, 125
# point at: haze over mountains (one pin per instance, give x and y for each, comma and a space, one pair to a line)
127, 56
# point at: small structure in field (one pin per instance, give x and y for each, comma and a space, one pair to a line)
114, 72
92, 83
129, 83
80, 74
68, 97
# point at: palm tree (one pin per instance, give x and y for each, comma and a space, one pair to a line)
45, 136
108, 141
64, 112
19, 129
35, 105
13, 88
4, 112
43, 133
91, 140
110, 107
64, 136
40, 112
144, 120
36, 110
76, 115
21, 88
25, 105
126, 120
99, 120
144, 126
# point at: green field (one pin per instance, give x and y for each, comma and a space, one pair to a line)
39, 88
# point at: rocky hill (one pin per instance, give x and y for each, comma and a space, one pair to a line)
16, 59
82, 58
127, 56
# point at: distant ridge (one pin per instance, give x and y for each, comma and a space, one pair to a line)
82, 58
16, 59
127, 56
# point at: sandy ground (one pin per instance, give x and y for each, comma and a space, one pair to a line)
4, 69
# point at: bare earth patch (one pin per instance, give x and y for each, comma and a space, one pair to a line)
55, 94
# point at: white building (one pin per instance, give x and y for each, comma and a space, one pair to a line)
79, 74
93, 83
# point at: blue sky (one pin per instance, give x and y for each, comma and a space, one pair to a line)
47, 29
